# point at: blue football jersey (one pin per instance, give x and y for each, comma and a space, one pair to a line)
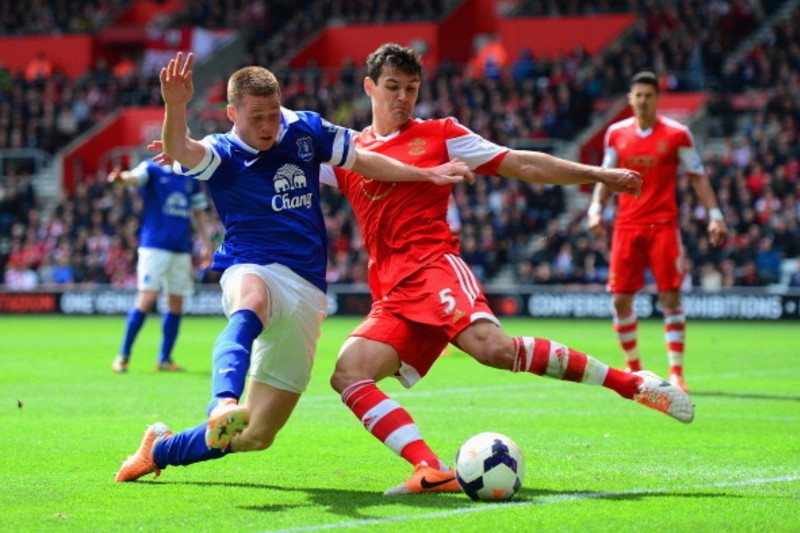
268, 200
169, 199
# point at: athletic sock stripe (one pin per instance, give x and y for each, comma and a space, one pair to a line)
376, 413
626, 328
515, 342
627, 337
675, 347
523, 354
625, 320
674, 336
629, 345
354, 389
576, 366
556, 366
541, 356
402, 437
390, 423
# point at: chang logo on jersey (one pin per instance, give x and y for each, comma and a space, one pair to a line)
287, 180
177, 205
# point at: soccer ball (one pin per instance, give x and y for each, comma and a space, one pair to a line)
490, 466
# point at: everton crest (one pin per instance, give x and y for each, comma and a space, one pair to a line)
305, 149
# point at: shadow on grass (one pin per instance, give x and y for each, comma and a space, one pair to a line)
352, 503
745, 396
342, 502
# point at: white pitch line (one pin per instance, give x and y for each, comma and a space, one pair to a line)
538, 412
547, 501
439, 392
416, 393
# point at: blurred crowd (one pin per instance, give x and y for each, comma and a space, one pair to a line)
511, 232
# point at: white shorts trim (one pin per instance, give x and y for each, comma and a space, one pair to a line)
283, 354
172, 271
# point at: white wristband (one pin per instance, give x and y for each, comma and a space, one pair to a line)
595, 208
715, 214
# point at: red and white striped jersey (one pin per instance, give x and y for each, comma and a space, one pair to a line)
404, 225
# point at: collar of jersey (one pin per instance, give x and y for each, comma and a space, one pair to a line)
646, 133
384, 138
287, 117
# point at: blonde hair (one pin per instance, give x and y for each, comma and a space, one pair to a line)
256, 81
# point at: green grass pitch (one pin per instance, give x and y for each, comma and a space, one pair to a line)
595, 462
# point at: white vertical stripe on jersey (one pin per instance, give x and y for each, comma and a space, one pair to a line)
465, 277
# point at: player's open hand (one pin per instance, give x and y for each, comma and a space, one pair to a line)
161, 159
623, 180
176, 80
454, 171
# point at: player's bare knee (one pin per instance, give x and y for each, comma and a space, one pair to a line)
345, 375
339, 381
496, 354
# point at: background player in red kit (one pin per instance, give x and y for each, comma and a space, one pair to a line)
424, 294
646, 231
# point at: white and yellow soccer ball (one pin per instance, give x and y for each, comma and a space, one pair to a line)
490, 466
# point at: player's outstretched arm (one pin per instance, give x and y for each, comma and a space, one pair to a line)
382, 168
177, 89
538, 167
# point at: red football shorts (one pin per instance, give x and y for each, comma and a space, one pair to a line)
425, 312
634, 249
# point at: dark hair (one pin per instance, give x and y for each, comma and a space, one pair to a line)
393, 56
646, 77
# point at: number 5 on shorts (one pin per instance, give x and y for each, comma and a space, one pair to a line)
447, 300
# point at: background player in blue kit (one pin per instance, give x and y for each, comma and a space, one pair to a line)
164, 252
263, 177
